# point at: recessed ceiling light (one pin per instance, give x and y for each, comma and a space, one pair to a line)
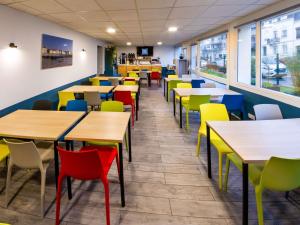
172, 29
111, 30
128, 43
159, 43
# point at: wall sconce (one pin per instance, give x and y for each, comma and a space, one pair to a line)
12, 45
83, 50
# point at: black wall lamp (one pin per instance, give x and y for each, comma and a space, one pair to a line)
12, 45
83, 50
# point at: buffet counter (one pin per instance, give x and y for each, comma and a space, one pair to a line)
124, 68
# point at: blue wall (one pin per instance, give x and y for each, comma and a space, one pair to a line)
251, 99
49, 95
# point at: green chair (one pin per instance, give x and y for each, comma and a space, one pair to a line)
133, 74
111, 106
193, 105
278, 174
129, 82
214, 112
172, 84
95, 82
183, 85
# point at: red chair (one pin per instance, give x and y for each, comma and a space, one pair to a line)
126, 98
155, 76
90, 163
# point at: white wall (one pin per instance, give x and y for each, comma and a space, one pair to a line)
21, 76
166, 53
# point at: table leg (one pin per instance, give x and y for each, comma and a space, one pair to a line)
69, 182
208, 151
245, 193
167, 92
174, 103
180, 110
164, 87
137, 106
106, 96
129, 141
121, 175
56, 162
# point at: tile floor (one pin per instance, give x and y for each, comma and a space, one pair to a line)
165, 184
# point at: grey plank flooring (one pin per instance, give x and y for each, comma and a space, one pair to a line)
165, 184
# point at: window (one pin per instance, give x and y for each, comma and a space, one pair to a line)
284, 33
193, 57
213, 55
280, 57
247, 54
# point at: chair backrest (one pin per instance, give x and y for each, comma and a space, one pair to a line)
105, 83
132, 74
24, 154
197, 100
197, 83
86, 82
212, 112
123, 96
92, 98
267, 112
64, 97
42, 105
156, 69
184, 85
155, 75
95, 82
185, 76
112, 106
172, 76
114, 81
233, 102
129, 82
281, 174
77, 105
173, 84
208, 85
83, 165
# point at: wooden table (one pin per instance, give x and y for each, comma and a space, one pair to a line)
89, 88
185, 92
256, 142
108, 127
106, 78
39, 125
133, 89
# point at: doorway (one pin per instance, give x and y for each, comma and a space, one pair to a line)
100, 60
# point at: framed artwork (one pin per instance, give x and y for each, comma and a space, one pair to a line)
56, 51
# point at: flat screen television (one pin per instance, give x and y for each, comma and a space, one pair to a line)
145, 51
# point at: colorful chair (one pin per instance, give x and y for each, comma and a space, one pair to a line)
77, 105
64, 97
183, 85
133, 74
90, 163
114, 81
28, 155
214, 112
193, 105
93, 99
234, 103
155, 76
197, 83
267, 112
129, 82
172, 84
105, 83
42, 105
208, 85
4, 151
172, 76
95, 82
127, 99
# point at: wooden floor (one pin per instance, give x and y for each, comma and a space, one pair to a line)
165, 184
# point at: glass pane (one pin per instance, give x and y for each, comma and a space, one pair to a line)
193, 56
213, 55
280, 53
247, 54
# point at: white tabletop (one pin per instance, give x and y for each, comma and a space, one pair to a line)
204, 91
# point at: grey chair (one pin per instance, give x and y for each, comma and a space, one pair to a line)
267, 112
93, 99
28, 155
208, 85
114, 81
42, 105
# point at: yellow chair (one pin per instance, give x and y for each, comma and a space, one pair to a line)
4, 151
95, 82
173, 76
129, 82
156, 70
183, 85
133, 74
64, 97
214, 112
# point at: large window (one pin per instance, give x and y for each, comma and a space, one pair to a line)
213, 53
280, 59
193, 57
247, 54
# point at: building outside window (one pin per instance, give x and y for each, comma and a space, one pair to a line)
213, 55
193, 57
247, 54
280, 58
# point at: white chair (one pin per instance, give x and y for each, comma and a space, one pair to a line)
28, 155
93, 99
114, 81
208, 85
267, 112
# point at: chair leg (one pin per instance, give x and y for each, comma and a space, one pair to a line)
259, 205
198, 145
220, 170
132, 114
43, 184
227, 168
126, 142
187, 119
118, 165
8, 179
106, 188
58, 196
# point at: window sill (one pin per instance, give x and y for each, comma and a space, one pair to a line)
212, 77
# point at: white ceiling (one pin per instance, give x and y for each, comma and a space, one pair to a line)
142, 22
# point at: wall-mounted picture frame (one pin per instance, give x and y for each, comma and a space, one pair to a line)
56, 52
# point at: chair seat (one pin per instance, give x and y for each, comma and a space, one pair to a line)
4, 151
46, 150
106, 155
184, 100
219, 144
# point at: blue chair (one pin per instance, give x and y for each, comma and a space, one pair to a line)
197, 83
77, 105
234, 103
106, 83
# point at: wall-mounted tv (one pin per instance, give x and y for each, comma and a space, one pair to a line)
145, 51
